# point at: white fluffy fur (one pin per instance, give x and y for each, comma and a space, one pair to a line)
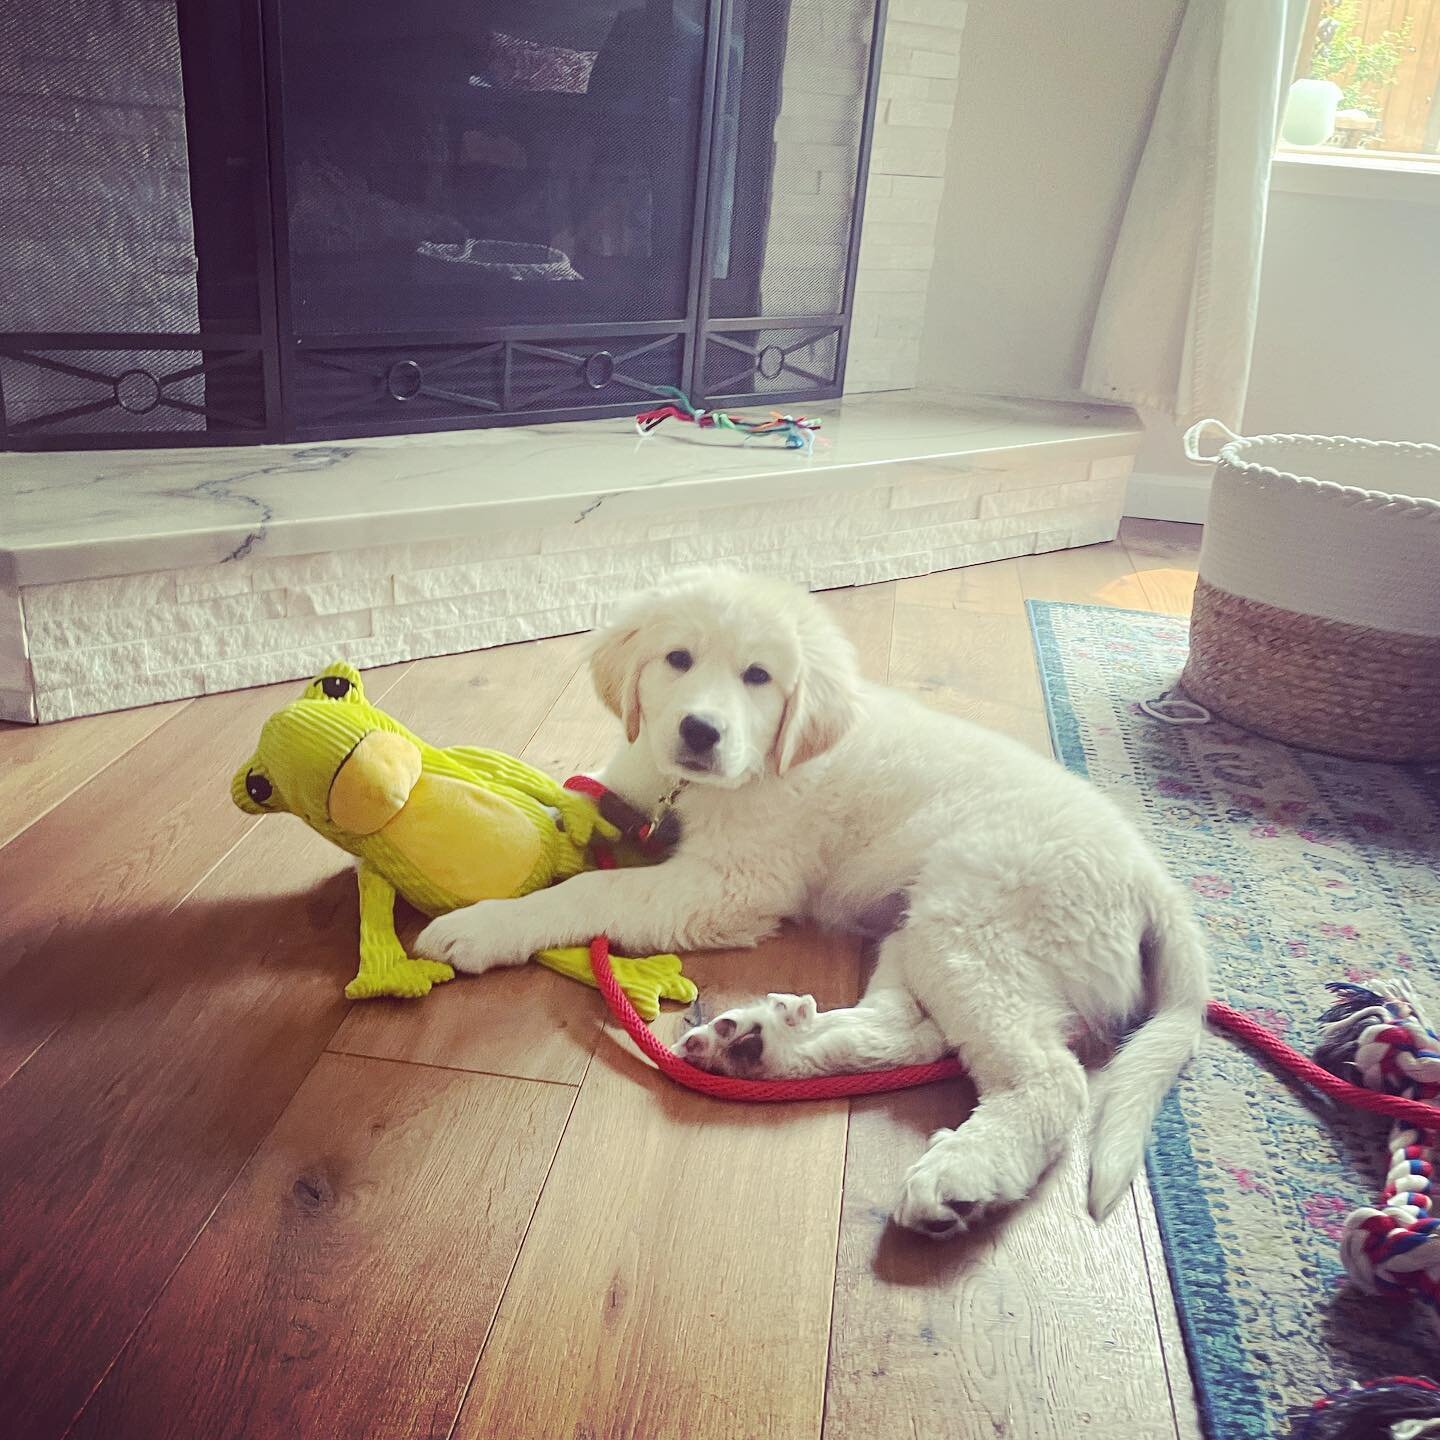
1033, 905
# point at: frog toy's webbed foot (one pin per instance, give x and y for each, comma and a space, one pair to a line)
647, 981
402, 977
385, 968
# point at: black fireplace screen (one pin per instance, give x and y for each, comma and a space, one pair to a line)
237, 221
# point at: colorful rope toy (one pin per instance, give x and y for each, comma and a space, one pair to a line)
799, 432
1379, 1036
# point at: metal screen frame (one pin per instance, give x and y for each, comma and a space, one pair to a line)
281, 350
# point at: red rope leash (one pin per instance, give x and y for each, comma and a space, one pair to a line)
877, 1082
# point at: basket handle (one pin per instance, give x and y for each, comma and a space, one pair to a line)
1196, 434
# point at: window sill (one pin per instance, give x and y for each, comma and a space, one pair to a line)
1368, 177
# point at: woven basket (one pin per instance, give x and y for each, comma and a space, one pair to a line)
1317, 610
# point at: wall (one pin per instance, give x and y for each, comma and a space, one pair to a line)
1054, 104
1052, 109
1345, 338
1349, 318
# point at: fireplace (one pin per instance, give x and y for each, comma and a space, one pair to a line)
308, 219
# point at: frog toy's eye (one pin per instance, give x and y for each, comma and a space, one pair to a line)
258, 788
337, 682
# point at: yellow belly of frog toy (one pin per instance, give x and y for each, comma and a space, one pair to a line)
441, 828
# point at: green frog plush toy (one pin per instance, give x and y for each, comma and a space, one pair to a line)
441, 828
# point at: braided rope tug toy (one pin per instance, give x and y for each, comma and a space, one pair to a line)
797, 430
1379, 1034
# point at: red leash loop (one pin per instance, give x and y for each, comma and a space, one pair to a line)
905, 1077
727, 1087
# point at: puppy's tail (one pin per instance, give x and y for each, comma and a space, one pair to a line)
1137, 1080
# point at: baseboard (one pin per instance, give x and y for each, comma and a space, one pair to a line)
1168, 497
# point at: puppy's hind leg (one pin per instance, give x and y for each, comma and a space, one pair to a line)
979, 989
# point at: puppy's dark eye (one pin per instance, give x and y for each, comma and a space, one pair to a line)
336, 687
680, 660
756, 675
258, 788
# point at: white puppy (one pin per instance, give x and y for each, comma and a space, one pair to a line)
1022, 908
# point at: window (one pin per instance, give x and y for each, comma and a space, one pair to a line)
1368, 82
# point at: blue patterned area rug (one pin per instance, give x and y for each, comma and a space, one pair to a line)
1304, 869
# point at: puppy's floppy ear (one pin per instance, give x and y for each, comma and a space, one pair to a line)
615, 661
822, 707
615, 669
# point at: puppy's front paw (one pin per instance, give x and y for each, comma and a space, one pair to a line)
758, 1040
474, 940
952, 1187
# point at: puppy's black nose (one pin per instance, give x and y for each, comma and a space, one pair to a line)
699, 735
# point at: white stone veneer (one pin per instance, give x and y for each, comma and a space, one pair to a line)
816, 135
93, 645
918, 91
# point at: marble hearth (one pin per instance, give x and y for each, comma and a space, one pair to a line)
132, 577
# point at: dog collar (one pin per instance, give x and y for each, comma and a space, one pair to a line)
646, 831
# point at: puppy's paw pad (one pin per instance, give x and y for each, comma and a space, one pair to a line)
963, 1214
695, 1045
747, 1041
950, 1189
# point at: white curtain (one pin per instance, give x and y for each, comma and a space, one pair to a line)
1176, 320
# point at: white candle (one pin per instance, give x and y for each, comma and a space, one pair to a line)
1310, 112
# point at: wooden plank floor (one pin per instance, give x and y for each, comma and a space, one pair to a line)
233, 1205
